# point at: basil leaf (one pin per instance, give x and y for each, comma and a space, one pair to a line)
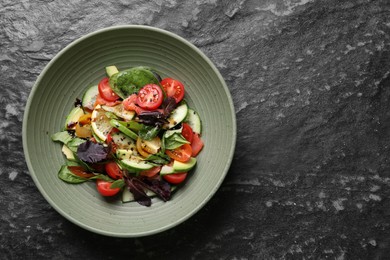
148, 132
174, 141
118, 184
63, 137
66, 175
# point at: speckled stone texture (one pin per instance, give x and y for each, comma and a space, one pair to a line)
310, 81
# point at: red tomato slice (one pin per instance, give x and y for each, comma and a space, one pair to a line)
150, 97
181, 154
175, 178
173, 88
79, 171
104, 189
113, 170
130, 104
106, 91
187, 132
151, 172
196, 145
102, 101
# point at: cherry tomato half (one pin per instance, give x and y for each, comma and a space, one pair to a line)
181, 154
187, 132
150, 97
104, 189
113, 170
129, 102
173, 88
196, 144
175, 178
106, 91
151, 172
102, 101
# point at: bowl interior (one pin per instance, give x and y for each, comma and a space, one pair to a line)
82, 64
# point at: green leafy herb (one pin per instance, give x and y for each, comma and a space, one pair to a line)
159, 158
101, 177
148, 132
74, 144
118, 184
72, 163
63, 137
66, 175
174, 141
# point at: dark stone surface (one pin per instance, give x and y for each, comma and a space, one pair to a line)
310, 82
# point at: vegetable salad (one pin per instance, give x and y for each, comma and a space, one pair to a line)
133, 134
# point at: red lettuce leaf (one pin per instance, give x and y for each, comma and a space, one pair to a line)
91, 152
160, 187
136, 187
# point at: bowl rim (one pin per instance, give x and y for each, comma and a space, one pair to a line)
31, 97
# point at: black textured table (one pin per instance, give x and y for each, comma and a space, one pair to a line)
310, 82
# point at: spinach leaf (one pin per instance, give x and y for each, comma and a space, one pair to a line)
174, 141
66, 175
127, 82
74, 144
72, 163
63, 137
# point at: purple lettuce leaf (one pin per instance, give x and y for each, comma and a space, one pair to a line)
160, 187
91, 152
136, 187
168, 105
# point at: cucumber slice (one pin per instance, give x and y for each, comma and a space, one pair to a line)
111, 70
132, 163
73, 118
177, 116
123, 142
193, 120
127, 196
68, 153
89, 97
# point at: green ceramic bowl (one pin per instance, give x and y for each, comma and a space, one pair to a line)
83, 63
